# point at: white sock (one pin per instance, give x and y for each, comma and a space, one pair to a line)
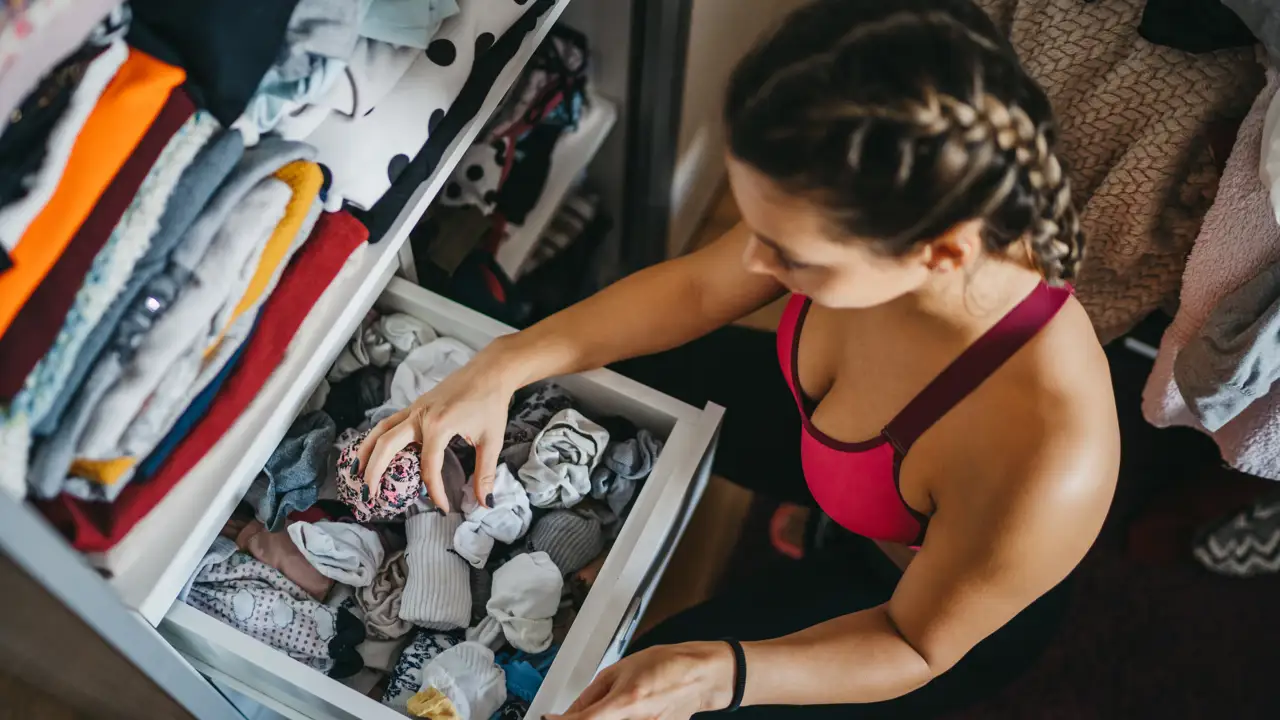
526, 597
507, 521
468, 676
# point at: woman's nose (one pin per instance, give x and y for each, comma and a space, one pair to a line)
754, 259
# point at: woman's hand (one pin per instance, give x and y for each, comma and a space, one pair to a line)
471, 402
667, 682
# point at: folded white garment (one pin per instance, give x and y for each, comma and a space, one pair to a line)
526, 597
345, 552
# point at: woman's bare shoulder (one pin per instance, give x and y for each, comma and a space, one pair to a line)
1045, 424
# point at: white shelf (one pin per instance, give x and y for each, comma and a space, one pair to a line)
570, 157
151, 564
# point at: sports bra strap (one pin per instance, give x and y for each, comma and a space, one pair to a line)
975, 365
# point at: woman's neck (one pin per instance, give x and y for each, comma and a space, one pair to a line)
964, 305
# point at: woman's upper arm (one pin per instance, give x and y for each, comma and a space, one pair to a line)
984, 562
726, 290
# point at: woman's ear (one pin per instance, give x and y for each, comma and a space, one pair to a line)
955, 249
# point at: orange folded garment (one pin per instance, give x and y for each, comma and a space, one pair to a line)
117, 123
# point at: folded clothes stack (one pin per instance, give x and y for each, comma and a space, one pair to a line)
459, 612
173, 178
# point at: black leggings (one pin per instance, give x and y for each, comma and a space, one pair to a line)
760, 450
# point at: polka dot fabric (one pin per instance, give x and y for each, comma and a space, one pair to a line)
365, 153
400, 488
478, 177
264, 604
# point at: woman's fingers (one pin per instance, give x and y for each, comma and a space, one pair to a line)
594, 693
377, 431
383, 449
487, 451
431, 461
615, 706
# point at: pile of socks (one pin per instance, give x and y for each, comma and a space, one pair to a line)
438, 614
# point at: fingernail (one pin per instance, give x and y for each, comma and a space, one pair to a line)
355, 467
488, 501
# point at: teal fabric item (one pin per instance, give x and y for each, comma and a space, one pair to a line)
409, 23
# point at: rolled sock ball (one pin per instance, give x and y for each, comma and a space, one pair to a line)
401, 487
507, 521
526, 597
437, 591
570, 538
532, 410
468, 677
558, 472
623, 468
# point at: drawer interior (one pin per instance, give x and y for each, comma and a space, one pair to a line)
607, 617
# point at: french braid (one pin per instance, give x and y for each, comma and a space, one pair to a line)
905, 117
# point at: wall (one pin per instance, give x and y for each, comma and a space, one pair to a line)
720, 33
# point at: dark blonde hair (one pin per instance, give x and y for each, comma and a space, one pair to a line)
903, 118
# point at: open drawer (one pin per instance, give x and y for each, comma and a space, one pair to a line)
608, 616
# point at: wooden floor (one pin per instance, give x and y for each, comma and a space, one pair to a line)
703, 554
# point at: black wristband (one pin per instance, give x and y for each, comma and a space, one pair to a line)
739, 674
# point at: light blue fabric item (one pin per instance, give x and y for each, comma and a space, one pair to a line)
409, 23
317, 45
197, 184
296, 469
278, 95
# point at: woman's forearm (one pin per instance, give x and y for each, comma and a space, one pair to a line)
653, 310
858, 658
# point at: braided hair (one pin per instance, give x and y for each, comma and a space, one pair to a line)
903, 118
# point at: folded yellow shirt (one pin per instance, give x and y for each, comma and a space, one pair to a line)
305, 179
103, 472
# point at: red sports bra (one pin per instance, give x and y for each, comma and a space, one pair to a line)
856, 483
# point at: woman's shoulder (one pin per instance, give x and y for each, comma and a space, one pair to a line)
1046, 421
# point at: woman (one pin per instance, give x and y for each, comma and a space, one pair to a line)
896, 173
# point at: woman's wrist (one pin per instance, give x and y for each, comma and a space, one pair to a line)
715, 672
527, 357
508, 360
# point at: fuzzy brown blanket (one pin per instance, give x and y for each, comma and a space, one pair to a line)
1133, 121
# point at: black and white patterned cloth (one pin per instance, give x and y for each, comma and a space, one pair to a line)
363, 155
406, 679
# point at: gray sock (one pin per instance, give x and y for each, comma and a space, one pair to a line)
437, 591
623, 469
571, 539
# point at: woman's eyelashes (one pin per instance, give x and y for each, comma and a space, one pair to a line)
789, 264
